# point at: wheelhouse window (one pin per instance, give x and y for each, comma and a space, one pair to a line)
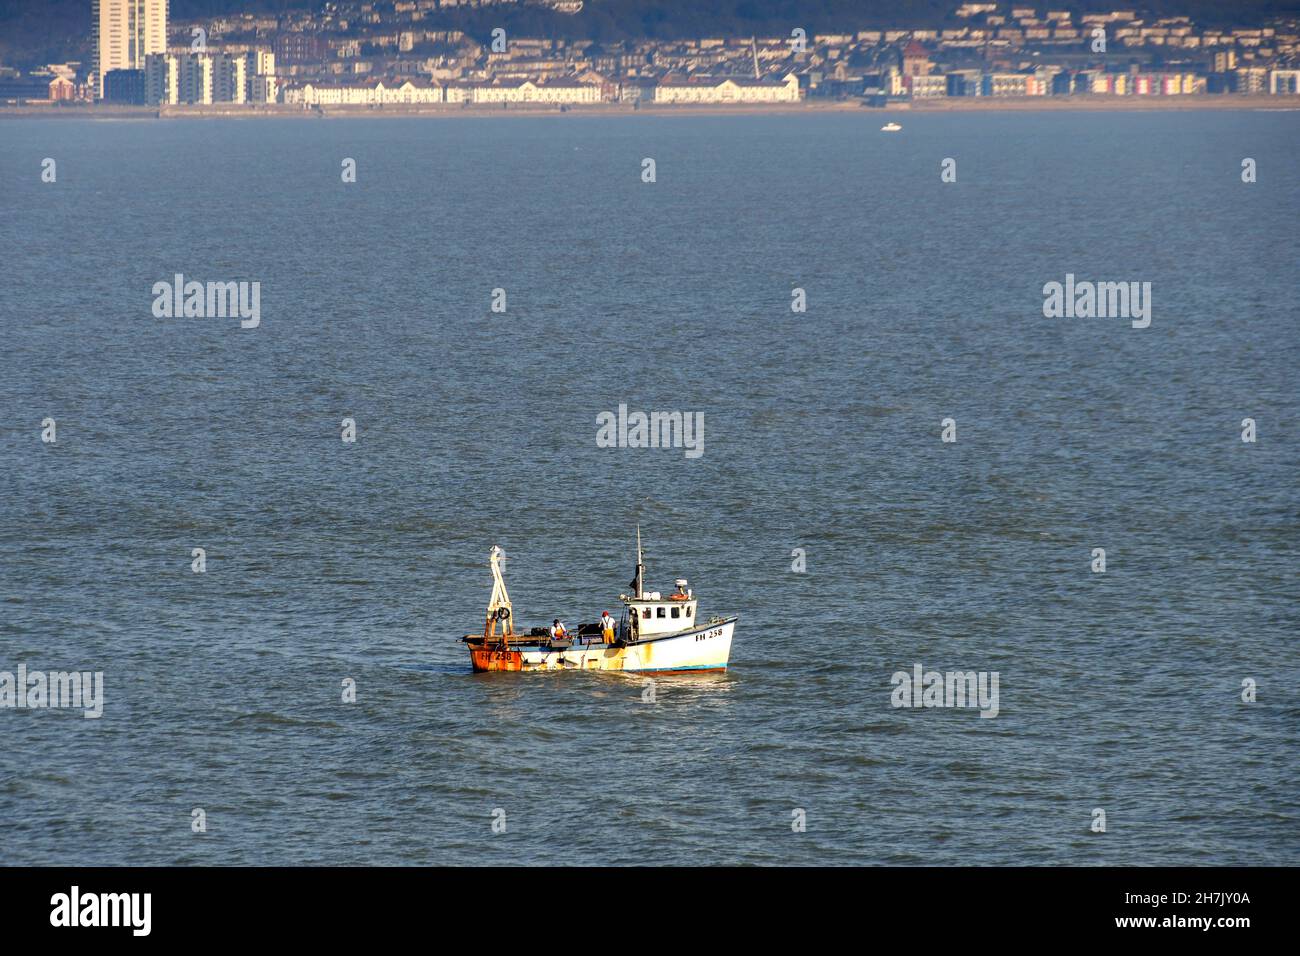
662, 612
677, 612
689, 610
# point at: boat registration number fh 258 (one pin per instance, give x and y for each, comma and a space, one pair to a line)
716, 632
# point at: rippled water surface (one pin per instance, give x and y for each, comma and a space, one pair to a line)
328, 561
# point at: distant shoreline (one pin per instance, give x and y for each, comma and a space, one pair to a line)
939, 105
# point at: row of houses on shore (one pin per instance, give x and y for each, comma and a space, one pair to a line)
1094, 82
249, 79
920, 78
569, 91
722, 90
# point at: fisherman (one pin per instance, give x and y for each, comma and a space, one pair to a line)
607, 627
558, 631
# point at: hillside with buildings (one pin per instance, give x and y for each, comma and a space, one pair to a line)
360, 53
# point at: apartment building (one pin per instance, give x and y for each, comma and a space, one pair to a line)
123, 33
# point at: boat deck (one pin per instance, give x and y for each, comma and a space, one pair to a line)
536, 643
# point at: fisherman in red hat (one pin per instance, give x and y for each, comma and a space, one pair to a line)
607, 627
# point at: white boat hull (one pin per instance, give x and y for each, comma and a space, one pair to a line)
706, 648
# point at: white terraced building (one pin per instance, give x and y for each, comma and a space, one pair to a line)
543, 91
728, 89
556, 92
369, 94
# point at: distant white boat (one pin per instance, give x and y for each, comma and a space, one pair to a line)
890, 128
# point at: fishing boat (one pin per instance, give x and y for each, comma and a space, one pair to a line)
655, 633
890, 127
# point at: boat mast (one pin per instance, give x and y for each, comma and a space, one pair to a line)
640, 567
499, 606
